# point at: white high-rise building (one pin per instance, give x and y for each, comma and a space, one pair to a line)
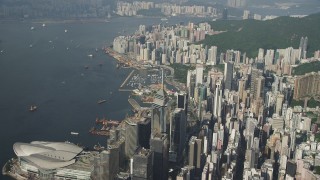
120, 44
212, 55
217, 100
279, 102
199, 74
261, 55
268, 59
246, 14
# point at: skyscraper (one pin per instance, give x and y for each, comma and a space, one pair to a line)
241, 88
136, 131
199, 74
159, 146
212, 55
177, 134
307, 85
106, 165
142, 165
158, 119
131, 136
217, 100
261, 55
259, 88
228, 75
279, 102
144, 132
303, 47
255, 73
182, 99
268, 59
195, 149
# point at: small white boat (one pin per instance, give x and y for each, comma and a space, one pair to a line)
101, 101
65, 30
33, 108
43, 25
74, 133
32, 28
90, 55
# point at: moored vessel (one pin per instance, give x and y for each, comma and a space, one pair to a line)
33, 108
74, 133
101, 101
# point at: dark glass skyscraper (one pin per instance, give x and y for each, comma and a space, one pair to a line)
228, 75
159, 146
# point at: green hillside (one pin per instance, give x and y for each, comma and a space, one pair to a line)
250, 35
306, 68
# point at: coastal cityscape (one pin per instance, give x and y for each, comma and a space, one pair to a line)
212, 99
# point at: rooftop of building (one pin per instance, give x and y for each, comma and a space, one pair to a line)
143, 152
134, 120
159, 135
47, 155
84, 161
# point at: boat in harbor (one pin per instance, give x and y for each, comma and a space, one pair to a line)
74, 133
103, 127
33, 108
101, 101
90, 55
98, 147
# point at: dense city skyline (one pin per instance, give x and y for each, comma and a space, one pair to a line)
199, 112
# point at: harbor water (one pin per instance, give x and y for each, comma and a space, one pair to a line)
60, 68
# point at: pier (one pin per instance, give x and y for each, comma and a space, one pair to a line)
103, 127
134, 104
126, 80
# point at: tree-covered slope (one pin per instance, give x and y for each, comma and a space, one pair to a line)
250, 35
306, 68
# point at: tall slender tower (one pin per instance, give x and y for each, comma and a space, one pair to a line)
159, 139
217, 100
158, 121
199, 74
177, 134
255, 73
228, 75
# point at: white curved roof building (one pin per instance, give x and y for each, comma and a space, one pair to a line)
47, 155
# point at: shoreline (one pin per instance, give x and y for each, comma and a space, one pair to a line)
132, 63
123, 59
